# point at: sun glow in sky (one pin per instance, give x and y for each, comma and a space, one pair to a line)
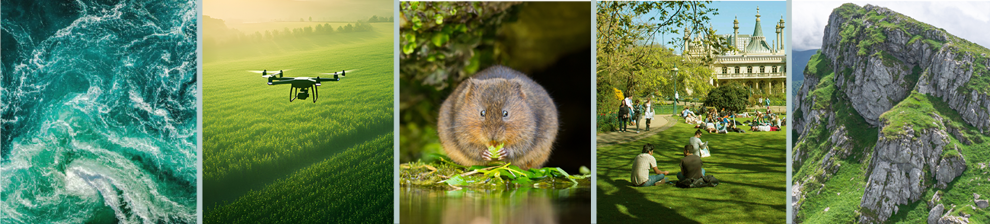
250, 11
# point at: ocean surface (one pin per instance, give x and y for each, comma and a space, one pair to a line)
98, 104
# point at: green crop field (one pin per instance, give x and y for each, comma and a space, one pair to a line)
751, 167
254, 138
353, 187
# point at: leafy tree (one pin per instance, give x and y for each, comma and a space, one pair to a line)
311, 19
633, 58
732, 97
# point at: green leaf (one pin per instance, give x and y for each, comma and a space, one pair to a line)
523, 181
408, 48
456, 181
417, 23
439, 39
494, 150
438, 18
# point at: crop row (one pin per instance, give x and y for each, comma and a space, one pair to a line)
351, 187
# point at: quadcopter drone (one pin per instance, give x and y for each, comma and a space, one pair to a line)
303, 84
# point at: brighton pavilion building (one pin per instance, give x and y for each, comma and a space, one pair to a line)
754, 63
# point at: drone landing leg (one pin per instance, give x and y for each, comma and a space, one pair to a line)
290, 94
316, 93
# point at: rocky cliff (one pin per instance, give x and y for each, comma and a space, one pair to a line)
877, 95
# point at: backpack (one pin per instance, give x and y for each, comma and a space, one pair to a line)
705, 181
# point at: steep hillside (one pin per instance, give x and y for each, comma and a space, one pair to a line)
892, 112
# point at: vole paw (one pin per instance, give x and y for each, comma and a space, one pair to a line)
487, 155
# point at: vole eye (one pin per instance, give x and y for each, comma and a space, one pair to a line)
505, 113
482, 113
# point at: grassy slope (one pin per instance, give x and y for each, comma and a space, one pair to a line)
750, 166
351, 187
843, 190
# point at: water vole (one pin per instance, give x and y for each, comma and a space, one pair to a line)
498, 106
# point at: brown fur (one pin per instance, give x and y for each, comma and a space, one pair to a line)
528, 132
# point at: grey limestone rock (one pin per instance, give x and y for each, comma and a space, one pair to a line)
935, 214
951, 166
897, 175
935, 199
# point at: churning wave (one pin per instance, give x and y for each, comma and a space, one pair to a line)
98, 112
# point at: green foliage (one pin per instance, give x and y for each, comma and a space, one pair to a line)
628, 59
823, 93
751, 167
980, 80
440, 54
912, 79
355, 182
936, 45
914, 112
819, 65
915, 38
732, 97
847, 10
874, 35
656, 80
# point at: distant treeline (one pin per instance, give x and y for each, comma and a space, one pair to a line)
375, 19
218, 34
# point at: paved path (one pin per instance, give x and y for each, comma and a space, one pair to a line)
658, 124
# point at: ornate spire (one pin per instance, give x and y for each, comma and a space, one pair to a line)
758, 32
735, 23
757, 14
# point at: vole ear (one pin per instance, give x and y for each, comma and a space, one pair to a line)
517, 86
469, 85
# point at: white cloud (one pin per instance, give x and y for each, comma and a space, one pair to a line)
968, 20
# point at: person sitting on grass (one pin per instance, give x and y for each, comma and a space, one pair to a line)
690, 165
642, 165
695, 142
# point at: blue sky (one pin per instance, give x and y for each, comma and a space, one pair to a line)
770, 13
968, 20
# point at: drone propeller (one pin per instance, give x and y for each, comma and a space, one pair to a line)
341, 73
268, 73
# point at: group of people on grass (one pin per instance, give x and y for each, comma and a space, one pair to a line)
630, 112
722, 122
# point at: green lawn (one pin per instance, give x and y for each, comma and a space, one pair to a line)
751, 168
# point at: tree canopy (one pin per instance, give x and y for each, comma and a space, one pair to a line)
631, 59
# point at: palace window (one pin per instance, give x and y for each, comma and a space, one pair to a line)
774, 69
749, 69
737, 69
725, 70
762, 69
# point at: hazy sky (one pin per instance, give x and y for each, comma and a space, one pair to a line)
968, 20
268, 10
770, 14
